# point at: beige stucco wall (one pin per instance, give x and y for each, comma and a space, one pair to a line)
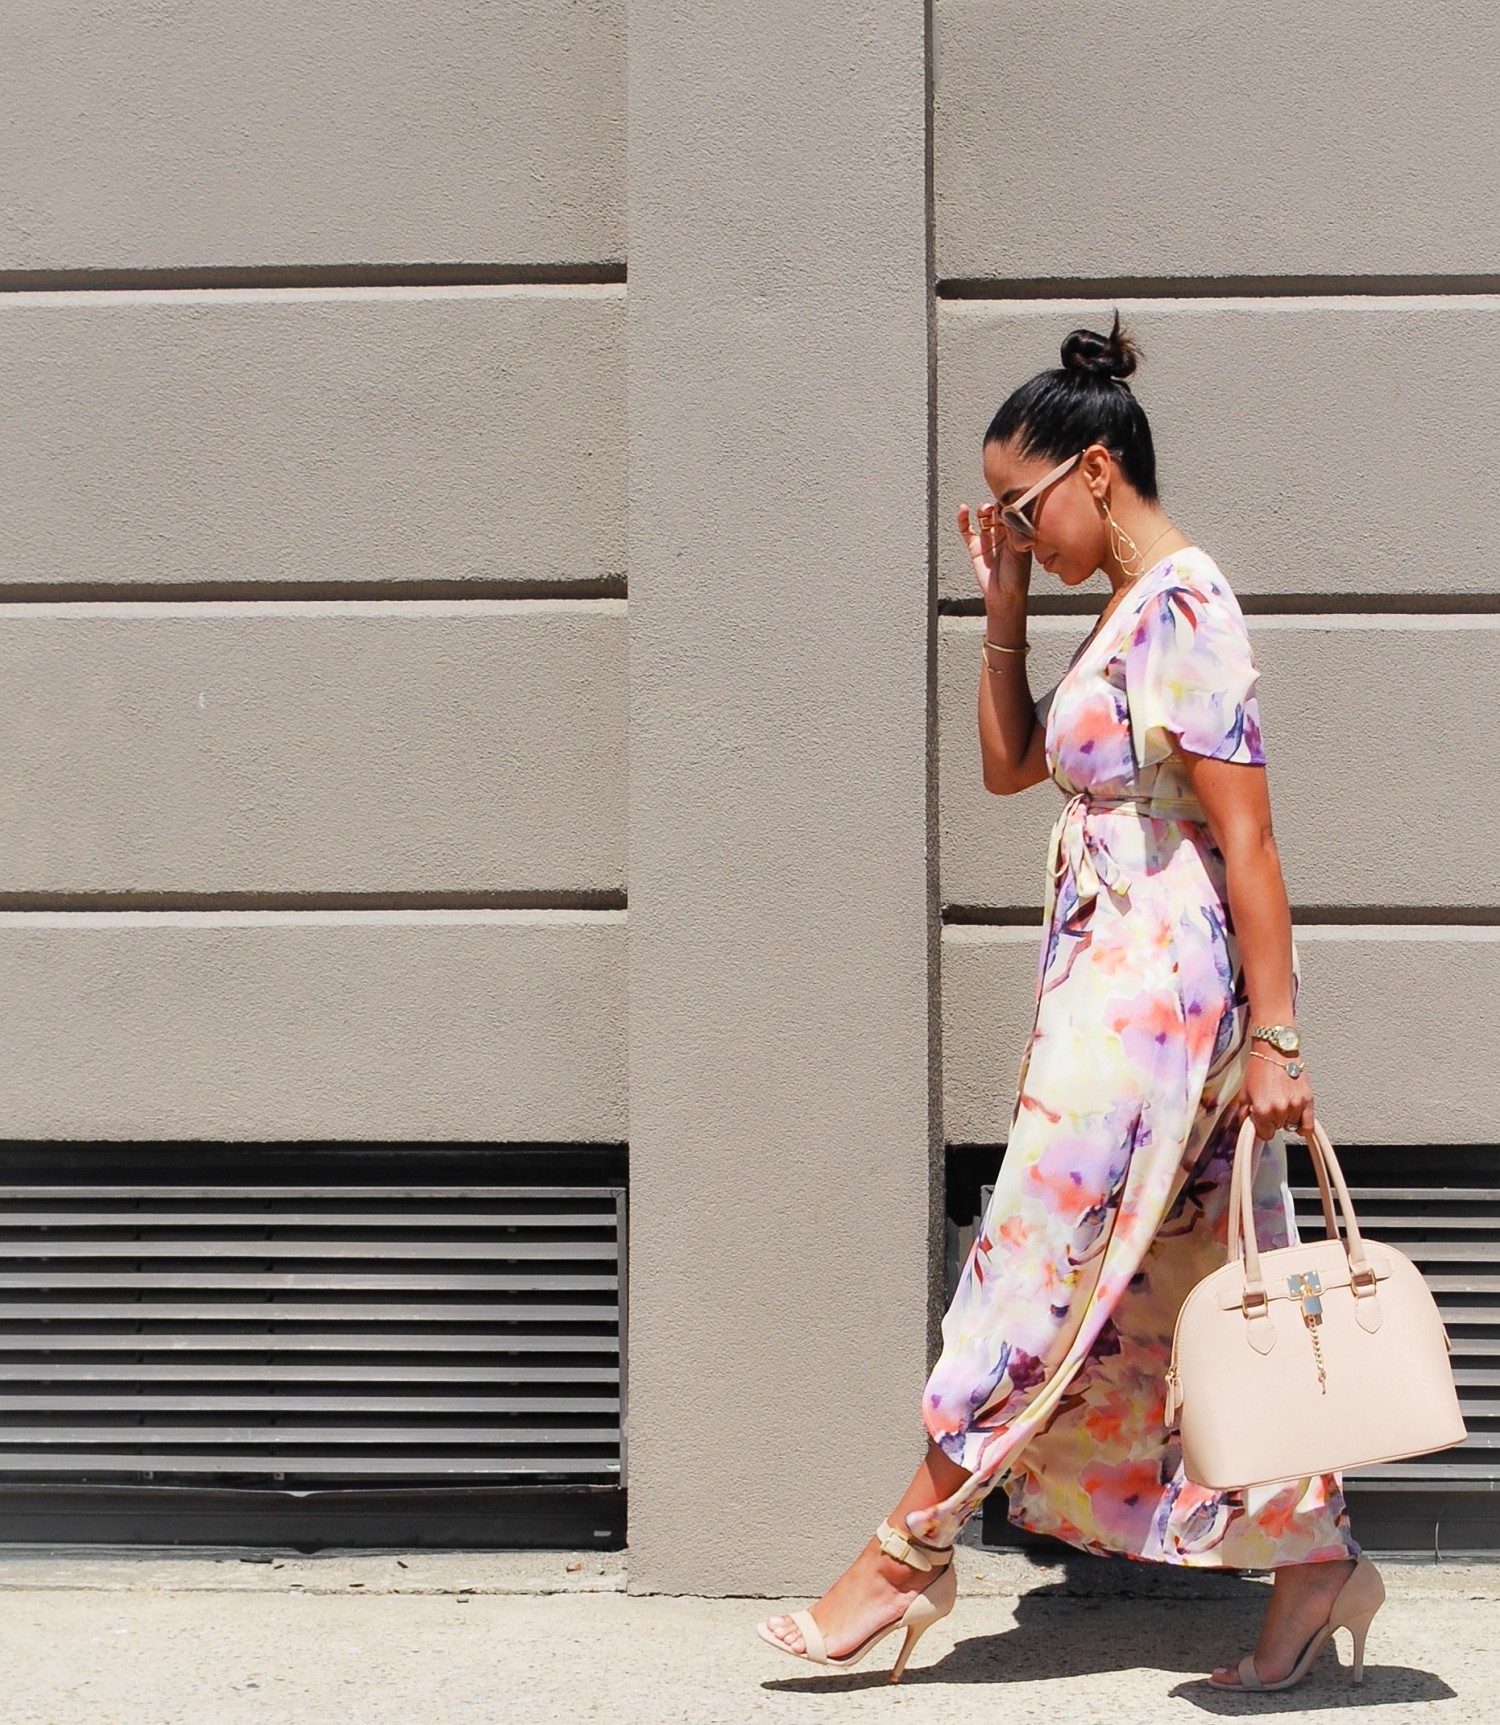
1289, 209
1290, 206
1320, 447
1373, 804
503, 1025
313, 439
782, 1105
332, 744
1239, 143
312, 620
216, 136
264, 749
1398, 1016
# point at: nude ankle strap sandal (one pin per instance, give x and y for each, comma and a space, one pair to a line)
1355, 1604
905, 1549
935, 1601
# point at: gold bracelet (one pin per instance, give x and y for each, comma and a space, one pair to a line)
1000, 646
1270, 1060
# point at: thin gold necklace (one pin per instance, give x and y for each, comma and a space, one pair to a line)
1119, 597
1117, 601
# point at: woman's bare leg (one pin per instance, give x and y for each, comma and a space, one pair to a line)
1301, 1598
876, 1589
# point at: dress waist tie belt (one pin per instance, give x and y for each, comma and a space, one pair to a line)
1087, 860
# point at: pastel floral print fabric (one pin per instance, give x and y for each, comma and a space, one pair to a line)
1111, 1200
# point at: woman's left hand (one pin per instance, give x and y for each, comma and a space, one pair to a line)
1276, 1099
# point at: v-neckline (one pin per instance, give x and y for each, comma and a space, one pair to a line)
1130, 603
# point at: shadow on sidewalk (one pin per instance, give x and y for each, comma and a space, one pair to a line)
1102, 1620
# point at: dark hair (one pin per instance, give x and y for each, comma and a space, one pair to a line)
1085, 400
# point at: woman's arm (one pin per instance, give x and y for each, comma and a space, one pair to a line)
1012, 745
1236, 799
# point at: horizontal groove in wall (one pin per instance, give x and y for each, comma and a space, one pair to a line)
1271, 604
611, 586
1309, 920
27, 903
1212, 287
608, 273
82, 916
992, 916
351, 605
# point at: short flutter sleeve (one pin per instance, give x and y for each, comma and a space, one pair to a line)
1190, 678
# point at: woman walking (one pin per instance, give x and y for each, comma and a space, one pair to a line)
1166, 1001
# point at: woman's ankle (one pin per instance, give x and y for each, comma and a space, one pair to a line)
929, 1544
897, 1519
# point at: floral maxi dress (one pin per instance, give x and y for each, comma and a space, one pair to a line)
1111, 1199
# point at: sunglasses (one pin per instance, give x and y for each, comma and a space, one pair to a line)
1016, 517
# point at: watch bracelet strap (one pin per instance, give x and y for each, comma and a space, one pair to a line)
1267, 1032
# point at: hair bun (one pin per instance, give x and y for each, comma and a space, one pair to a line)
1111, 358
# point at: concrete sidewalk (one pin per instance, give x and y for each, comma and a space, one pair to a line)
538, 1638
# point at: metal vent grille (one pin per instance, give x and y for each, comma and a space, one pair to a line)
326, 1334
1448, 1224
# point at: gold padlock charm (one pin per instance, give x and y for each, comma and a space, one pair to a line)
1308, 1288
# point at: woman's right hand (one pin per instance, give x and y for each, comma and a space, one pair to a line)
998, 567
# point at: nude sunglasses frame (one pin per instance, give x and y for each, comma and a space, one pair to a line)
1013, 516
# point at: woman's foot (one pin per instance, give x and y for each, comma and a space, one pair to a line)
873, 1591
1301, 1599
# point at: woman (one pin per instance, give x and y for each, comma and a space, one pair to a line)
1166, 994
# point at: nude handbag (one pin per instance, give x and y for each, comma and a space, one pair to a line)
1307, 1359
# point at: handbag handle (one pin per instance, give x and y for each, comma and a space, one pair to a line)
1242, 1210
1242, 1172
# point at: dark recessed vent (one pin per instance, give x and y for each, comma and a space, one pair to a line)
1436, 1207
322, 1335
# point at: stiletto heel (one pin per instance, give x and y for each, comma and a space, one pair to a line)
1358, 1631
913, 1635
1353, 1608
1361, 1596
934, 1602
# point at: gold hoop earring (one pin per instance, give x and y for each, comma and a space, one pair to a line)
1117, 534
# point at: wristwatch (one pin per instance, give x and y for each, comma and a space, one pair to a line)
1281, 1036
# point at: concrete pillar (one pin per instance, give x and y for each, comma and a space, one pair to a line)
782, 922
